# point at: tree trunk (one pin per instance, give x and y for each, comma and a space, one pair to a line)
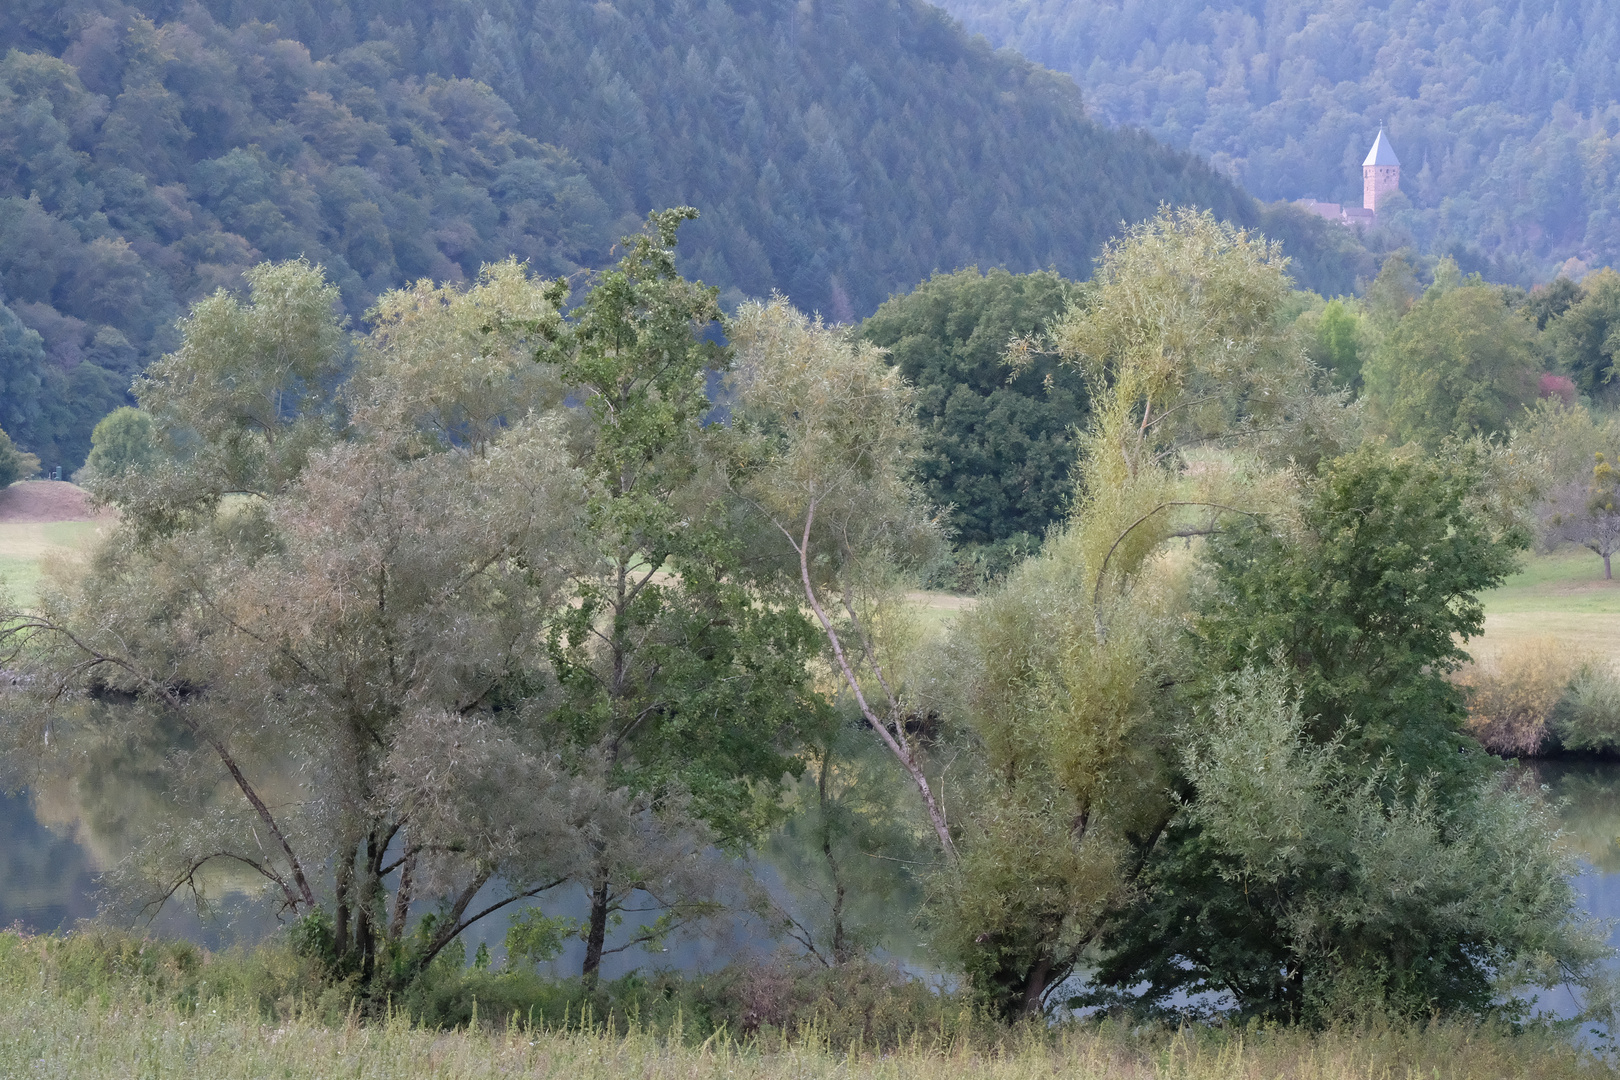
402, 897
1608, 575
596, 936
840, 949
894, 741
365, 930
1035, 989
340, 921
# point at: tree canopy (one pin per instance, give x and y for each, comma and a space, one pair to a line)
998, 444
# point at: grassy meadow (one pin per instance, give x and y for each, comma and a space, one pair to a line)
1560, 595
193, 1016
26, 545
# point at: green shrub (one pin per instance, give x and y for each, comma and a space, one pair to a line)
106, 965
1588, 717
125, 440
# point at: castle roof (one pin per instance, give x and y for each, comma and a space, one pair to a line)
1381, 153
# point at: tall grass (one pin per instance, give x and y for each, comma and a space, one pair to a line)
65, 1013
1542, 695
1512, 697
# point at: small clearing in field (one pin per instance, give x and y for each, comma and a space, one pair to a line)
1559, 595
45, 500
40, 518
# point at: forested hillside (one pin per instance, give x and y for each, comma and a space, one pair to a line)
1505, 113
838, 152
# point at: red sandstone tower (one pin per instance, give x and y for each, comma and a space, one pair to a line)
1380, 173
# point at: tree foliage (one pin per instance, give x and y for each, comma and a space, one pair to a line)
428, 643
1461, 362
124, 441
149, 155
1573, 453
1302, 881
670, 659
1327, 770
1371, 601
1585, 334
14, 464
1056, 677
998, 444
830, 434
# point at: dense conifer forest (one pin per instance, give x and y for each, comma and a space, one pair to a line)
838, 153
1504, 112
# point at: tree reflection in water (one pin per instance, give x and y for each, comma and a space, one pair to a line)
46, 877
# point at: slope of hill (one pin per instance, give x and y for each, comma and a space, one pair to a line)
1506, 113
839, 150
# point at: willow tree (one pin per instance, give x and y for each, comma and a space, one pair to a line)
829, 438
314, 611
1198, 395
253, 390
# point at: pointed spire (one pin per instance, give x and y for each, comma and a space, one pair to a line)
1381, 153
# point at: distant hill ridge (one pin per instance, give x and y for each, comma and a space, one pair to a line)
839, 150
1506, 112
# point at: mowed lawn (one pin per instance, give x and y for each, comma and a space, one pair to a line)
1561, 595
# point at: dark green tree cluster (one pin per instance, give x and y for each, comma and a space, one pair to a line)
838, 151
998, 442
1505, 113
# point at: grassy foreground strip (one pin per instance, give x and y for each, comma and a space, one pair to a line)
59, 1021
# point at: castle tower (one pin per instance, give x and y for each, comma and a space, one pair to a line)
1380, 173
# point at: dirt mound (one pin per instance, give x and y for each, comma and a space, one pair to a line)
45, 500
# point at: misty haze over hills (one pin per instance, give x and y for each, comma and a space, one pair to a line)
1505, 112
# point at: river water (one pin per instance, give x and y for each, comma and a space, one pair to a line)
50, 857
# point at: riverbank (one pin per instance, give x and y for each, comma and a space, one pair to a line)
176, 1012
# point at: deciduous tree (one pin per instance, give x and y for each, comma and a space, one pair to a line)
679, 662
1059, 677
1362, 606
831, 433
1460, 362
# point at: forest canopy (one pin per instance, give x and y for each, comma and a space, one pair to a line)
1504, 112
839, 153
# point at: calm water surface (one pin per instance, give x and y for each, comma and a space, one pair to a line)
50, 857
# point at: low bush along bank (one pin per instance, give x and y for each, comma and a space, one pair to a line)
1540, 696
94, 1005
